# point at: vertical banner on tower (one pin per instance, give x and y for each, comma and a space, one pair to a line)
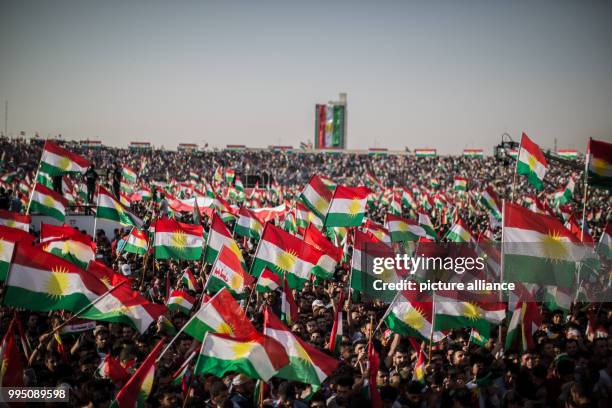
329, 126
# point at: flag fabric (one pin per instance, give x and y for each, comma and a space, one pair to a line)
180, 301
268, 281
347, 207
137, 242
374, 365
289, 310
459, 232
306, 363
221, 314
218, 237
452, 313
189, 280
317, 196
282, 252
335, 338
227, 272
50, 232
229, 175
419, 368
177, 240
525, 320
8, 238
77, 248
377, 230
425, 223
489, 199
411, 318
105, 274
460, 184
257, 356
47, 202
402, 229
425, 152
604, 247
248, 224
15, 220
478, 338
332, 255
304, 217
599, 164
11, 367
128, 174
110, 209
564, 195
531, 162
111, 368
136, 391
537, 248
56, 161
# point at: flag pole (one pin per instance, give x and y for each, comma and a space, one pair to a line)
518, 154
95, 214
585, 197
501, 268
55, 330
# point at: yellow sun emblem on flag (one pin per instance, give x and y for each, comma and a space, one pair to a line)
255, 225
11, 223
402, 226
178, 300
118, 207
532, 162
48, 201
64, 163
58, 281
147, 383
414, 318
236, 282
66, 247
302, 354
1, 246
471, 311
106, 281
179, 239
286, 260
599, 166
354, 208
241, 350
224, 328
553, 246
320, 204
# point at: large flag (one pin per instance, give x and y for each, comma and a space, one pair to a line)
8, 238
411, 318
136, 391
537, 248
218, 237
599, 164
137, 242
317, 196
306, 363
257, 356
332, 254
15, 220
77, 248
348, 207
56, 161
176, 240
221, 314
282, 252
403, 229
110, 209
180, 301
227, 272
268, 281
531, 162
248, 224
47, 202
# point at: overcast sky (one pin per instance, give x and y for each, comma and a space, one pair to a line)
447, 75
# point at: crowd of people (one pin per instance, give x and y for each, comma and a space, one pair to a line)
570, 365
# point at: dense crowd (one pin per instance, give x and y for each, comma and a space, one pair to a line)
570, 365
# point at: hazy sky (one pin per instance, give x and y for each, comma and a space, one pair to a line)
445, 75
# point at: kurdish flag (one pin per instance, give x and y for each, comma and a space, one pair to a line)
15, 220
332, 254
425, 152
452, 313
348, 207
335, 338
306, 363
419, 368
568, 153
282, 252
478, 338
137, 242
176, 240
49, 232
257, 356
599, 164
564, 195
531, 162
78, 249
473, 153
56, 161
304, 217
189, 280
110, 209
604, 247
129, 175
425, 223
317, 196
459, 232
489, 199
48, 202
537, 248
525, 320
227, 272
403, 229
289, 310
411, 318
218, 237
460, 184
136, 391
221, 314
268, 281
8, 238
248, 224
180, 301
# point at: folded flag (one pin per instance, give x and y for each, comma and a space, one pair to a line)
460, 233
227, 272
317, 196
177, 240
105, 274
189, 280
564, 195
419, 368
525, 320
268, 281
332, 255
221, 314
56, 161
335, 338
347, 207
599, 164
531, 162
49, 232
47, 202
304, 217
180, 301
257, 356
129, 175
111, 368
218, 237
110, 209
478, 338
11, 367
248, 224
15, 220
306, 363
403, 229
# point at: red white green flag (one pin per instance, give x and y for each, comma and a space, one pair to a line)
403, 229
110, 209
411, 318
177, 240
348, 207
189, 280
317, 196
332, 254
77, 248
137, 242
289, 310
248, 224
218, 237
56, 161
47, 202
15, 220
531, 162
268, 281
599, 164
8, 238
227, 272
489, 199
180, 301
